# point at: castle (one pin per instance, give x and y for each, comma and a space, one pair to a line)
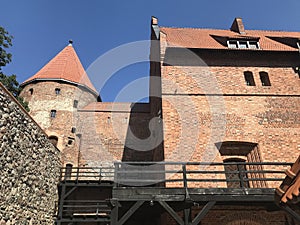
216, 96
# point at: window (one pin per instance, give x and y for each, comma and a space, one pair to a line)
57, 91
75, 103
73, 130
235, 172
68, 171
253, 45
232, 44
249, 79
53, 140
264, 77
238, 173
53, 113
31, 91
70, 140
243, 44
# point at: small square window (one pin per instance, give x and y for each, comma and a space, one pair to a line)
253, 45
57, 91
53, 113
232, 44
243, 44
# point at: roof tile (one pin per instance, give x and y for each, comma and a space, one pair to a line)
65, 66
203, 38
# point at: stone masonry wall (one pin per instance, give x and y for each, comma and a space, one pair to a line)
29, 167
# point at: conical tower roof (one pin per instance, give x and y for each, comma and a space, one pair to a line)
65, 66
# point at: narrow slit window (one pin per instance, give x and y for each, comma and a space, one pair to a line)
73, 130
265, 80
53, 113
249, 79
31, 91
75, 103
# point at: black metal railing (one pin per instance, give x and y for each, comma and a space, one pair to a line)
184, 174
99, 208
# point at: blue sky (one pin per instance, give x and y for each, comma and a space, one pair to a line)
42, 28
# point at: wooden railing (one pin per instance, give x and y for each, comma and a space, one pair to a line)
183, 174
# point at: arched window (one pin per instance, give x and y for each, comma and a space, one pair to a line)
249, 79
264, 78
53, 140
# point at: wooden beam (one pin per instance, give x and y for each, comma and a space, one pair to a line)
130, 212
114, 217
187, 216
69, 192
171, 212
291, 212
203, 212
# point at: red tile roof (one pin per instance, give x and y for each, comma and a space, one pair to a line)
289, 189
64, 66
203, 38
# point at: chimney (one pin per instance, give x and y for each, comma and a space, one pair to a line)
238, 26
154, 20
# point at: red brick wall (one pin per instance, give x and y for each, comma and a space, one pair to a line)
209, 102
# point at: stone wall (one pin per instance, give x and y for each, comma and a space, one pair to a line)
29, 167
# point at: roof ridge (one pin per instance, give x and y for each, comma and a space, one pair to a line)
219, 29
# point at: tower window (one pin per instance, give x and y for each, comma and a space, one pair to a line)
249, 78
70, 141
75, 103
73, 130
265, 80
53, 140
53, 113
31, 91
57, 91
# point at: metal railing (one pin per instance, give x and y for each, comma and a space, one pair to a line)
97, 208
184, 174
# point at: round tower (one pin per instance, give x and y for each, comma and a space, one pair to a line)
54, 94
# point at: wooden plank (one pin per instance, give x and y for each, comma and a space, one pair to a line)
171, 212
291, 212
187, 215
130, 212
203, 213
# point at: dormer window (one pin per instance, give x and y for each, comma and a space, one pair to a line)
243, 44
